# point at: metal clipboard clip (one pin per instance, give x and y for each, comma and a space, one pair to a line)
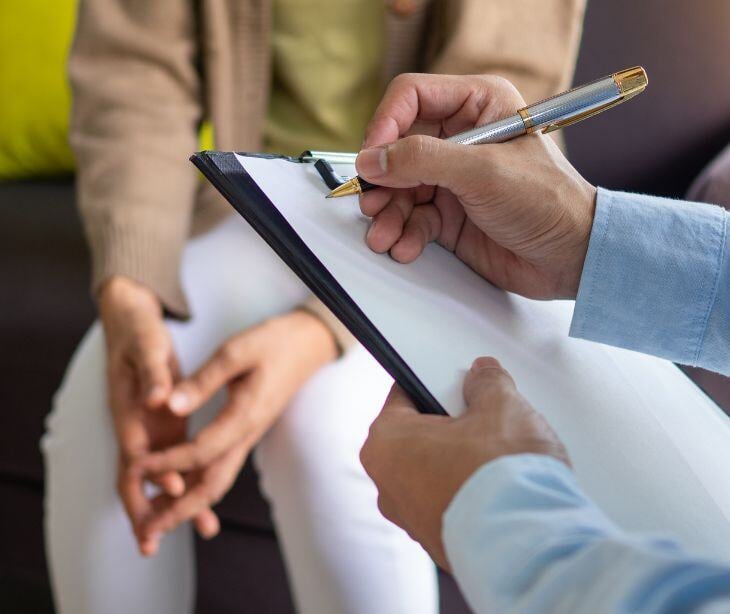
323, 161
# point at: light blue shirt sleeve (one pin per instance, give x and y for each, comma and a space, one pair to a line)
521, 537
657, 279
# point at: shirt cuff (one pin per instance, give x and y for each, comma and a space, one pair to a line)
651, 275
509, 519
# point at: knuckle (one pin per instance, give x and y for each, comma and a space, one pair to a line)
207, 497
366, 456
506, 399
152, 354
227, 355
413, 149
126, 458
374, 433
129, 453
385, 507
502, 386
402, 80
502, 83
198, 454
505, 380
420, 143
505, 89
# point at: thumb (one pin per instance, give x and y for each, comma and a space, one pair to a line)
153, 371
485, 382
397, 406
417, 160
398, 403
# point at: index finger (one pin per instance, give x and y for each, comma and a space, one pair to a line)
231, 426
457, 101
130, 487
229, 361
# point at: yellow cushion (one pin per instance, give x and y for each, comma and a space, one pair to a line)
35, 100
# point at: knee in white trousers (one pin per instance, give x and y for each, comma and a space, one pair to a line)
341, 554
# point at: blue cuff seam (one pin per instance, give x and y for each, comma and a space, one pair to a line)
605, 225
712, 297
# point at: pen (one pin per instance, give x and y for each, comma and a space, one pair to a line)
547, 115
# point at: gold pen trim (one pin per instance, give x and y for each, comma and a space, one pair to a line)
630, 83
527, 120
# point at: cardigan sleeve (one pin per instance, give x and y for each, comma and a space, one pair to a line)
136, 112
533, 44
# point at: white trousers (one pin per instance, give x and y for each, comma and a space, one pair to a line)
341, 555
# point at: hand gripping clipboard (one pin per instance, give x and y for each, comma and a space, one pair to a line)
224, 171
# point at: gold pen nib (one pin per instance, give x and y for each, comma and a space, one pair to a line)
347, 188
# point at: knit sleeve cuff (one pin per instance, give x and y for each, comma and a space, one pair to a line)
343, 337
147, 255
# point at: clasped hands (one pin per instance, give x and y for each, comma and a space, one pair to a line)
260, 369
520, 216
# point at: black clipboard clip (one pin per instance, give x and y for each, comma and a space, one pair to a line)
323, 161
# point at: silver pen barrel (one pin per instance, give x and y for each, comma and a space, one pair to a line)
496, 132
560, 110
579, 101
547, 115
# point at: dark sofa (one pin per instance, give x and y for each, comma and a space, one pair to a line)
657, 144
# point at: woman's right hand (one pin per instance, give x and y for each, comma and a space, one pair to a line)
141, 370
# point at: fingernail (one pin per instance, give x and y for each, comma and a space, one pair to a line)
373, 162
153, 536
178, 402
370, 230
177, 487
484, 363
155, 391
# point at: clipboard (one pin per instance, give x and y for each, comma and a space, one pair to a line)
624, 417
223, 170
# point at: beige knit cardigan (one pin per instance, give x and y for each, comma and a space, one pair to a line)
145, 74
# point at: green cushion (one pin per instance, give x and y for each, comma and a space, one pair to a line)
35, 100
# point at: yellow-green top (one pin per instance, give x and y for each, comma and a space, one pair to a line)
327, 64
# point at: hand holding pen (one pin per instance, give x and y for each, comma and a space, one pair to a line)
548, 115
517, 213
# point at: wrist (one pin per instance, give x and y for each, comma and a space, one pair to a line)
317, 336
122, 294
569, 277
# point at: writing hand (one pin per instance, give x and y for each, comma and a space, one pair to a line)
517, 213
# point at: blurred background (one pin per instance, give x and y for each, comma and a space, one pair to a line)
658, 144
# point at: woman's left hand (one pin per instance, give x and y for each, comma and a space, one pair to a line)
262, 368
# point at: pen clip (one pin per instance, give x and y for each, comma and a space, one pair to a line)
585, 115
